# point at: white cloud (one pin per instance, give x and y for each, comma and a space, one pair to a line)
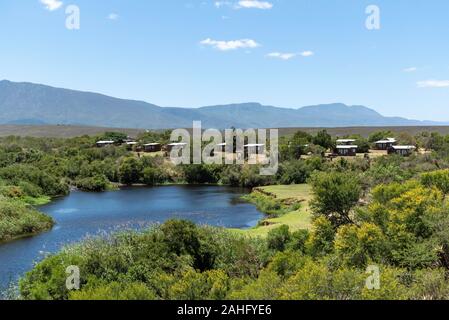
288, 55
411, 69
244, 4
307, 53
282, 56
433, 84
51, 5
254, 4
220, 4
230, 45
113, 16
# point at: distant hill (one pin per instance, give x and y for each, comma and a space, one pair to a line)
36, 104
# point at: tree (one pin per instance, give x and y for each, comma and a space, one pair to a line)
380, 135
118, 137
97, 183
294, 172
323, 139
311, 282
298, 241
153, 176
363, 146
184, 238
406, 213
438, 179
200, 286
335, 194
200, 173
406, 138
360, 245
278, 238
265, 287
130, 171
285, 264
321, 240
297, 145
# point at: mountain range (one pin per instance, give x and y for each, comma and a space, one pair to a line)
37, 104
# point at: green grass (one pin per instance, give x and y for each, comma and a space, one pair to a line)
296, 220
300, 192
40, 201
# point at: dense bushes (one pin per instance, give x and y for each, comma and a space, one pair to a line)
160, 264
176, 261
93, 184
130, 171
17, 219
201, 173
438, 179
154, 176
298, 172
48, 184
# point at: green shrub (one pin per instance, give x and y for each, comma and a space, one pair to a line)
93, 184
115, 291
154, 176
17, 219
278, 238
438, 179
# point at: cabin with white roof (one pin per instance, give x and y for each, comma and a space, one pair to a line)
130, 145
385, 144
177, 145
346, 142
402, 150
152, 147
104, 143
346, 150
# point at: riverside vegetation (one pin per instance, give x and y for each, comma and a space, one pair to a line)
391, 212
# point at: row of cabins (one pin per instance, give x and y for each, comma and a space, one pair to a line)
157, 147
348, 148
345, 147
255, 148
148, 147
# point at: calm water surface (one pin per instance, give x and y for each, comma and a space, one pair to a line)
82, 214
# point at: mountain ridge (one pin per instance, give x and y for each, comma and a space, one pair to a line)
29, 103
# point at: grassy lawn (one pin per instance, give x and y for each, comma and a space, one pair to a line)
37, 201
300, 219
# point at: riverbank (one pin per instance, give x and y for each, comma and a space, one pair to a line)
19, 220
283, 205
287, 196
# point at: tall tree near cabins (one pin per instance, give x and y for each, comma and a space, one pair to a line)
335, 194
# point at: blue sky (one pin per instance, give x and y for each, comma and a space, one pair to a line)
189, 53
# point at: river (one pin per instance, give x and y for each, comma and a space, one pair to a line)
84, 214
